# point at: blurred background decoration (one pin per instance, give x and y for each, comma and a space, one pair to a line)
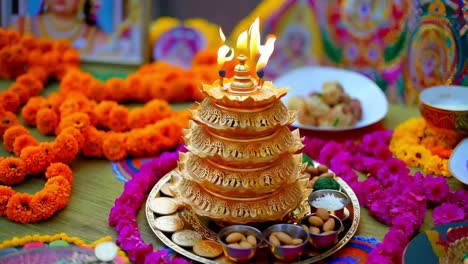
403, 45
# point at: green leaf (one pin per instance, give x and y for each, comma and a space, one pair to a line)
336, 121
307, 159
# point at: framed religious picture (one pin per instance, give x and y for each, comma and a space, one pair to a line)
110, 31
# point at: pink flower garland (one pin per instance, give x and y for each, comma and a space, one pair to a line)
390, 192
123, 215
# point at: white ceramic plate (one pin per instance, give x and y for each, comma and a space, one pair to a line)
458, 162
305, 80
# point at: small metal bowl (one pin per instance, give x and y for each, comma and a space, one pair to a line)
340, 212
324, 240
239, 254
287, 253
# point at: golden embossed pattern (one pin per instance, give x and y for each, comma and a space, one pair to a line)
241, 182
260, 98
205, 144
244, 122
270, 207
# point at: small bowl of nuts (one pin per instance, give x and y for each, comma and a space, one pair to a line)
240, 242
286, 241
323, 228
332, 200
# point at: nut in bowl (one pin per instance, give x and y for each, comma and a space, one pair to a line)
286, 242
240, 242
323, 228
445, 107
332, 200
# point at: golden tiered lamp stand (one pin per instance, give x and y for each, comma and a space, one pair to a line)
241, 165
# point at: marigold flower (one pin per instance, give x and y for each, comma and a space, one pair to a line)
135, 84
71, 56
169, 132
156, 87
75, 102
23, 141
119, 89
68, 147
5, 193
183, 88
77, 120
158, 109
44, 205
59, 169
60, 188
54, 101
11, 134
21, 90
28, 41
138, 118
92, 146
40, 74
29, 110
13, 60
10, 101
7, 119
46, 121
61, 45
75, 133
19, 208
114, 147
137, 144
102, 111
118, 118
96, 90
44, 44
182, 118
37, 158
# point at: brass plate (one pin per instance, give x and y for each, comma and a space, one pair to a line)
202, 226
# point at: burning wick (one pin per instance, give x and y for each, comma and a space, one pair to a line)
260, 74
222, 74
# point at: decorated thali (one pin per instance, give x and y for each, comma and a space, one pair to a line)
208, 230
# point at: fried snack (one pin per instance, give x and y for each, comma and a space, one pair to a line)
332, 108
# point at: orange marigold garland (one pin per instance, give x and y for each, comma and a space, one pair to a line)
22, 142
11, 134
46, 121
75, 113
59, 169
5, 193
19, 208
12, 170
114, 147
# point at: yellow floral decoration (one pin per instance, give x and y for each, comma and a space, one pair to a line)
419, 145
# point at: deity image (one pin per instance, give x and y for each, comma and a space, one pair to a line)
103, 31
73, 20
178, 46
299, 42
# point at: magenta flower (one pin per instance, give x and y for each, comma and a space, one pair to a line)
328, 151
447, 213
436, 188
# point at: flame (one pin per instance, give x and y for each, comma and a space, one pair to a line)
225, 53
265, 52
248, 44
254, 43
242, 43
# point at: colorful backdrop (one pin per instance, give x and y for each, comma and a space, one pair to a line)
403, 45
